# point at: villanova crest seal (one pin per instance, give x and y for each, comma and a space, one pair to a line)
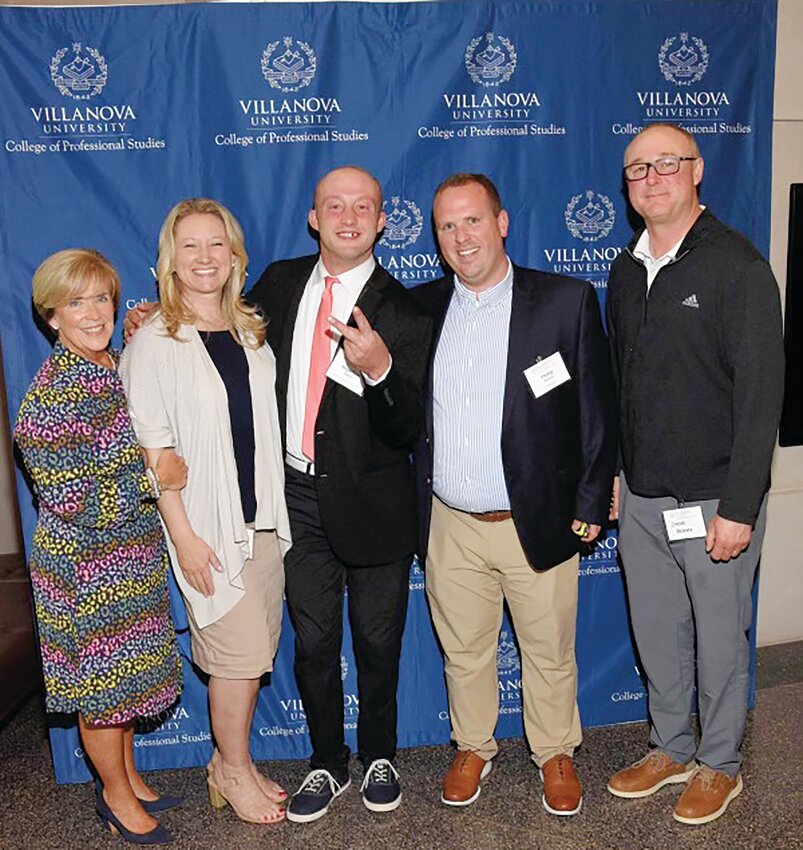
591, 221
81, 74
493, 63
416, 579
289, 65
683, 63
507, 656
403, 223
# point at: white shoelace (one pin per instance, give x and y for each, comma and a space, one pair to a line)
379, 771
315, 780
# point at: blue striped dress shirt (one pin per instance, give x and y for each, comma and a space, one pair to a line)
468, 395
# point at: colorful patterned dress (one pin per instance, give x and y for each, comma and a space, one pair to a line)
98, 560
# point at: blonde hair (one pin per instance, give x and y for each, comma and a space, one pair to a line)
243, 320
63, 275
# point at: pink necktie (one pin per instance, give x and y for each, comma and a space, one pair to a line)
319, 360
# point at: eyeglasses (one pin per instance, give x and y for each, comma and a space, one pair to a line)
664, 166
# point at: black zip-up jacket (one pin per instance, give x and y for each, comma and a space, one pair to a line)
699, 370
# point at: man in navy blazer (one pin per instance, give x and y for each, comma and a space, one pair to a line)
518, 451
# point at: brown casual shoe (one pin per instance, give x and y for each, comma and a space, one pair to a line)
461, 785
706, 795
562, 792
649, 774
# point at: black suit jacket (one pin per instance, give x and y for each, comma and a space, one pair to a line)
363, 472
559, 450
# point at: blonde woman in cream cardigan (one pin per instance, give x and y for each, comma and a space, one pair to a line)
200, 379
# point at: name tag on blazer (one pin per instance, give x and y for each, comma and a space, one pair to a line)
544, 375
341, 373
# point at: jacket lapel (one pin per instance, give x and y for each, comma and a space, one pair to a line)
441, 307
524, 329
437, 310
284, 354
371, 296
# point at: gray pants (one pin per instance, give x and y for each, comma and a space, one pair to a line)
687, 609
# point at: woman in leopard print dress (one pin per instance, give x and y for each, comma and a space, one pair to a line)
98, 559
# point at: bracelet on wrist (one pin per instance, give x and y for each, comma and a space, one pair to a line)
153, 482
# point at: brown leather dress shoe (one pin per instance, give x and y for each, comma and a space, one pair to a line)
648, 774
706, 795
562, 792
461, 785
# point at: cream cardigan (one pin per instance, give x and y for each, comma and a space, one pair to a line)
177, 398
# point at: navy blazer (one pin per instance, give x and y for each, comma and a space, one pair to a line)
559, 450
363, 473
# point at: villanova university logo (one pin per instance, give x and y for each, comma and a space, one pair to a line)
683, 63
289, 69
403, 223
81, 74
591, 221
492, 64
507, 656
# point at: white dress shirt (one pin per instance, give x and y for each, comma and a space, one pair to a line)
344, 297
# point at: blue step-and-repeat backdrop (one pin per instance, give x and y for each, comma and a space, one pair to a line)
108, 116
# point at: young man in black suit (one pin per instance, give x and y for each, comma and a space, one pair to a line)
350, 346
518, 452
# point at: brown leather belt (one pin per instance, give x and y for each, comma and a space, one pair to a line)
492, 516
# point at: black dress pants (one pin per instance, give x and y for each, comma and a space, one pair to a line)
377, 608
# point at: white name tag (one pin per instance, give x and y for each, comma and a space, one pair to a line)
547, 374
685, 523
341, 373
250, 533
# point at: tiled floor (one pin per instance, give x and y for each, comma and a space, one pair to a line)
35, 814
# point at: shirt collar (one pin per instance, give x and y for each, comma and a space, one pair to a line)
488, 297
643, 251
353, 280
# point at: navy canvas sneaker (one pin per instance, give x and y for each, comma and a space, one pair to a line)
380, 789
314, 795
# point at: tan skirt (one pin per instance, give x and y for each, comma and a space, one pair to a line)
242, 643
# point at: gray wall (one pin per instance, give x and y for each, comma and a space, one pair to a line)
781, 590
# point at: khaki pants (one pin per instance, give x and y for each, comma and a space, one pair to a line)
472, 567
